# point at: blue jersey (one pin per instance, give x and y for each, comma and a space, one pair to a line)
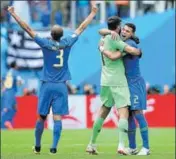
131, 62
135, 82
55, 67
10, 81
10, 85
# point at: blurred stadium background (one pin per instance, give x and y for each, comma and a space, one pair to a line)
155, 21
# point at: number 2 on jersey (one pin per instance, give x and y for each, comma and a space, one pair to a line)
60, 57
136, 99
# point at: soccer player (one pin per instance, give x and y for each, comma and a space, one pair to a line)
9, 88
53, 91
114, 88
137, 89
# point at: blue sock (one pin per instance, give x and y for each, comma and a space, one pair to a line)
56, 132
132, 132
143, 128
38, 132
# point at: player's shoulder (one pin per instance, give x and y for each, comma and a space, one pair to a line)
131, 42
42, 38
11, 72
108, 37
69, 36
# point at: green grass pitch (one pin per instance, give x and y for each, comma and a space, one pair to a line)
17, 144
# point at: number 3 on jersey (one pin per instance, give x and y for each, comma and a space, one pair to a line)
60, 57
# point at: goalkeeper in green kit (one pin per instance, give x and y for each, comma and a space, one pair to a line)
114, 87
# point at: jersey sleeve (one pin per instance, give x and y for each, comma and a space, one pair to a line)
132, 43
42, 42
69, 40
120, 45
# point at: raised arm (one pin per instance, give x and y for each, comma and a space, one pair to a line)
105, 32
21, 22
88, 20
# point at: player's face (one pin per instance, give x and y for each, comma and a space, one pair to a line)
126, 32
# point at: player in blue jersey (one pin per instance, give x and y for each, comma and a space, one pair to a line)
53, 91
10, 81
136, 86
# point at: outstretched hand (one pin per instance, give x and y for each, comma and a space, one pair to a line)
11, 9
93, 6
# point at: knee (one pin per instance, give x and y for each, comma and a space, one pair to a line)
57, 117
104, 111
42, 117
124, 115
135, 112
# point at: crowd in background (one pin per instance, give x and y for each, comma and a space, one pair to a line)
88, 89
44, 13
41, 15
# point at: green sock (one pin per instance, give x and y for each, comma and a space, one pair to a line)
96, 129
123, 131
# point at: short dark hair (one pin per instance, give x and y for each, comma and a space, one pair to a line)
131, 25
13, 64
56, 32
113, 22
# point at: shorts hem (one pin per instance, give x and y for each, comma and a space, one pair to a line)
137, 109
61, 114
127, 105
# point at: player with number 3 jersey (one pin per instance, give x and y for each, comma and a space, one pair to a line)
53, 91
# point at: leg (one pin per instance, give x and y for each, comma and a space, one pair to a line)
139, 116
10, 116
56, 132
108, 102
9, 111
59, 108
131, 131
43, 110
123, 128
103, 113
132, 150
122, 101
5, 118
138, 99
38, 133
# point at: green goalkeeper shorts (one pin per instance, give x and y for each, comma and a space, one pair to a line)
114, 95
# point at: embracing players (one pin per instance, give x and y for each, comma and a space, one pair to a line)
114, 86
137, 88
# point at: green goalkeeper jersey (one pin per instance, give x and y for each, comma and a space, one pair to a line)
113, 72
